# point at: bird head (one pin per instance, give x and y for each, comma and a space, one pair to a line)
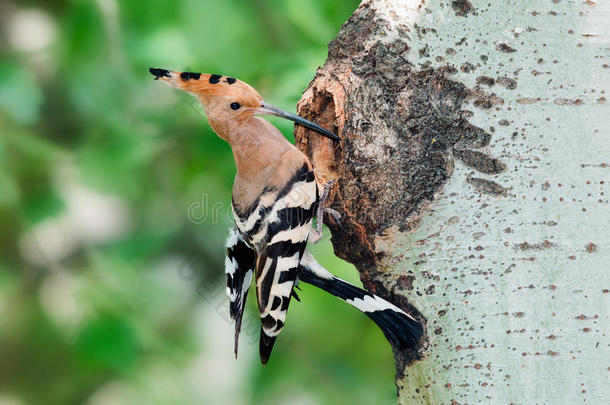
228, 101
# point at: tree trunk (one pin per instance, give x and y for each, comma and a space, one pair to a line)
472, 180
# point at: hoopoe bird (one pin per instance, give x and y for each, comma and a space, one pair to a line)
275, 199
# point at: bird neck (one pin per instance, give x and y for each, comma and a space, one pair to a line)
258, 148
257, 144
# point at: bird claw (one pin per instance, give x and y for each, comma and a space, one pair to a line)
335, 214
317, 233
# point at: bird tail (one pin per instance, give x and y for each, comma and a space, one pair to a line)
400, 329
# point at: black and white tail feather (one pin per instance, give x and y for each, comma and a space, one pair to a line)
399, 328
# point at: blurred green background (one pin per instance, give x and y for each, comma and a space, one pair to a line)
114, 206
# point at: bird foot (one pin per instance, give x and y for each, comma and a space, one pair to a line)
316, 235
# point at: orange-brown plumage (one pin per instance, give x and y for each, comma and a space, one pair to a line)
216, 93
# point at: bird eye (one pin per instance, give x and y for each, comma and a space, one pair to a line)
235, 106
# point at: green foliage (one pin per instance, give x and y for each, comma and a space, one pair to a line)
107, 342
114, 205
20, 97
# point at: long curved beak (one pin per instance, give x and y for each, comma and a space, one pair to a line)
269, 109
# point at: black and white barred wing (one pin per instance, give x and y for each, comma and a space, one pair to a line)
239, 265
288, 227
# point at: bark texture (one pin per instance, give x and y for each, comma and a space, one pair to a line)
475, 231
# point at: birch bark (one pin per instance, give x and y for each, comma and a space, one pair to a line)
473, 185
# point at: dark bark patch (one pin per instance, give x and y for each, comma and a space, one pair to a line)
486, 80
462, 7
502, 47
480, 161
487, 186
486, 101
468, 67
448, 70
405, 282
546, 244
591, 247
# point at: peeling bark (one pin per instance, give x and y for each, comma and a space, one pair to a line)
426, 194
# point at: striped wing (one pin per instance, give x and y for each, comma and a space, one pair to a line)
288, 226
239, 265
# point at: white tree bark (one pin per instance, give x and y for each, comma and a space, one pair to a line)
473, 179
